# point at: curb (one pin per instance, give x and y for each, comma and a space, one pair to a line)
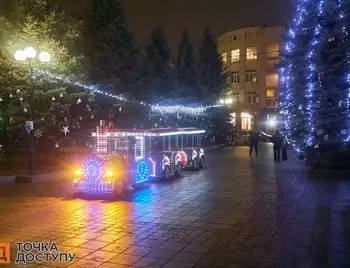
329, 174
215, 147
31, 179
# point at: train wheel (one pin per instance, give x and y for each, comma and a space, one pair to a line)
195, 164
178, 171
119, 188
167, 173
201, 163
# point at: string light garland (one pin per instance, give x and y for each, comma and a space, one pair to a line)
163, 109
312, 80
303, 90
347, 103
286, 95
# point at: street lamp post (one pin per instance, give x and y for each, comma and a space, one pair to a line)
29, 54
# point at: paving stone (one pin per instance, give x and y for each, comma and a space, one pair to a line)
101, 256
125, 259
187, 257
237, 212
162, 253
116, 247
94, 244
147, 262
138, 250
84, 263
112, 265
177, 264
82, 252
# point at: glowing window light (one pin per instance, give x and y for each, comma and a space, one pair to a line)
101, 147
139, 148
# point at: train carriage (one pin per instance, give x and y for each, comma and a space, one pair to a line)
126, 158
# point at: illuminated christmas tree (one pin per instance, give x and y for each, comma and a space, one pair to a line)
43, 26
315, 79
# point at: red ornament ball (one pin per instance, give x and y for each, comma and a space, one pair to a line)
12, 121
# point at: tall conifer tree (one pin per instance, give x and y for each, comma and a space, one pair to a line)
211, 73
186, 67
315, 99
158, 57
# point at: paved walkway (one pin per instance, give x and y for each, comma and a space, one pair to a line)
237, 212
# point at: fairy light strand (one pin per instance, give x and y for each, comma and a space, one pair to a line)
164, 109
347, 104
285, 72
288, 95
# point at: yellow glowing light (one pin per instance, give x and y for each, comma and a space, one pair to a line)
109, 182
20, 55
109, 173
44, 56
30, 52
75, 181
79, 172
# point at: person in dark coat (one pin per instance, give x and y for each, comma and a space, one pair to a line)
284, 149
277, 141
254, 140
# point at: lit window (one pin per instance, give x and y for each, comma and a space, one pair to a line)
235, 55
224, 57
270, 93
250, 77
252, 53
273, 51
272, 80
247, 121
235, 78
233, 119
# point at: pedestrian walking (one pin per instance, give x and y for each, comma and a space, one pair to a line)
254, 140
277, 141
284, 149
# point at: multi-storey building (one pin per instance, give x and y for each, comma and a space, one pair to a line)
250, 56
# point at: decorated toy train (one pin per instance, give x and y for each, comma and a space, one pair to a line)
127, 158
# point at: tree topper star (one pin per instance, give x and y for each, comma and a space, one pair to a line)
65, 130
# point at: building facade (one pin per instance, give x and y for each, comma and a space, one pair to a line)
251, 56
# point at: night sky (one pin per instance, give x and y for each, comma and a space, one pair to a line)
220, 15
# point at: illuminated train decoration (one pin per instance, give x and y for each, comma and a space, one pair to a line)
142, 171
95, 175
124, 159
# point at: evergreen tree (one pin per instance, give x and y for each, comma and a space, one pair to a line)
185, 64
219, 124
54, 105
111, 55
158, 58
211, 71
315, 85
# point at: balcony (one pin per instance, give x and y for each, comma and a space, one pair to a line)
271, 103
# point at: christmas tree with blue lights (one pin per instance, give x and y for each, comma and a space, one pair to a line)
315, 82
